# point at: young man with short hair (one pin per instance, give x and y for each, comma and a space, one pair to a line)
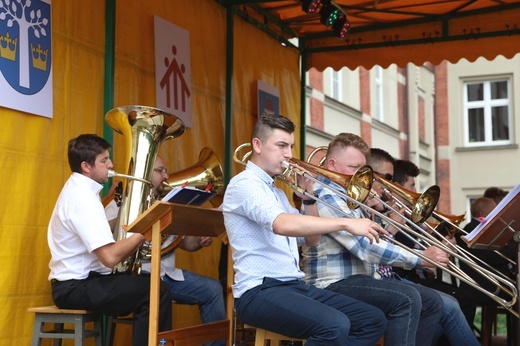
262, 228
346, 264
83, 250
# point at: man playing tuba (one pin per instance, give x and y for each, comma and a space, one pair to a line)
83, 250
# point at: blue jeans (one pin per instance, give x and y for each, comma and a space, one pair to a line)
297, 310
405, 308
454, 324
203, 291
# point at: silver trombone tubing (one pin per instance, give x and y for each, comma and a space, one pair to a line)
428, 237
511, 289
452, 224
461, 251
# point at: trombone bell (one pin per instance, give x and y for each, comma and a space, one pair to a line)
422, 204
425, 204
358, 185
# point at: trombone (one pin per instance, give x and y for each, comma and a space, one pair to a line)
358, 188
413, 200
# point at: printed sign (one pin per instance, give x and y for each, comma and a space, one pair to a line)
26, 56
173, 70
268, 99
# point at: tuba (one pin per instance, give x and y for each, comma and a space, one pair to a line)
144, 129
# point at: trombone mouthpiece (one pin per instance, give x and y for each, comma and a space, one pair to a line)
112, 173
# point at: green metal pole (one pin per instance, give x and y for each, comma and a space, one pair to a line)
108, 98
108, 95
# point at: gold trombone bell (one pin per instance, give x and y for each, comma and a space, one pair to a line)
357, 185
422, 205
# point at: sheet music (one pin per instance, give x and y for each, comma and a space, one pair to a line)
512, 194
188, 195
172, 192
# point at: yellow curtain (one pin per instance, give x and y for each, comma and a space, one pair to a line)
33, 150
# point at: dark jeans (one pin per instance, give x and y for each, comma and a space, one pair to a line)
116, 295
322, 317
407, 310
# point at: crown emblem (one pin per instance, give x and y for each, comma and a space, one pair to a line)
8, 47
39, 57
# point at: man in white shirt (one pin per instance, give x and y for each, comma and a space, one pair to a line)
262, 227
83, 250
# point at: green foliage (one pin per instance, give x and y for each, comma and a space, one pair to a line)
501, 322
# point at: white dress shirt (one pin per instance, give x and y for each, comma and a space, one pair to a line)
251, 204
78, 226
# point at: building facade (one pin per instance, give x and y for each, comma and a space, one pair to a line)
483, 103
456, 122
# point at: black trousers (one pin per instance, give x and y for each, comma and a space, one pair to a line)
116, 295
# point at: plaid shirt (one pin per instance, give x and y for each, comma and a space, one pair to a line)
341, 254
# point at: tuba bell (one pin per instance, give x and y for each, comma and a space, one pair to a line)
144, 129
207, 171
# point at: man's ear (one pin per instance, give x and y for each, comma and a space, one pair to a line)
85, 167
256, 145
330, 163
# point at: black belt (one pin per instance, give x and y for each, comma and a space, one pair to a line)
53, 281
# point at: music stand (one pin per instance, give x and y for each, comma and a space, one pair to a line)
502, 224
178, 219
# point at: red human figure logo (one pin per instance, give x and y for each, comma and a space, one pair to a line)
175, 73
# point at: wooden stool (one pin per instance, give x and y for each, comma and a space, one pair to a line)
262, 336
112, 323
197, 335
53, 314
275, 339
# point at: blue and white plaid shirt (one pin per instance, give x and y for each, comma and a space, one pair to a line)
341, 254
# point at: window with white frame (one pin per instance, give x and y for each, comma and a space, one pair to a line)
378, 81
335, 86
487, 112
